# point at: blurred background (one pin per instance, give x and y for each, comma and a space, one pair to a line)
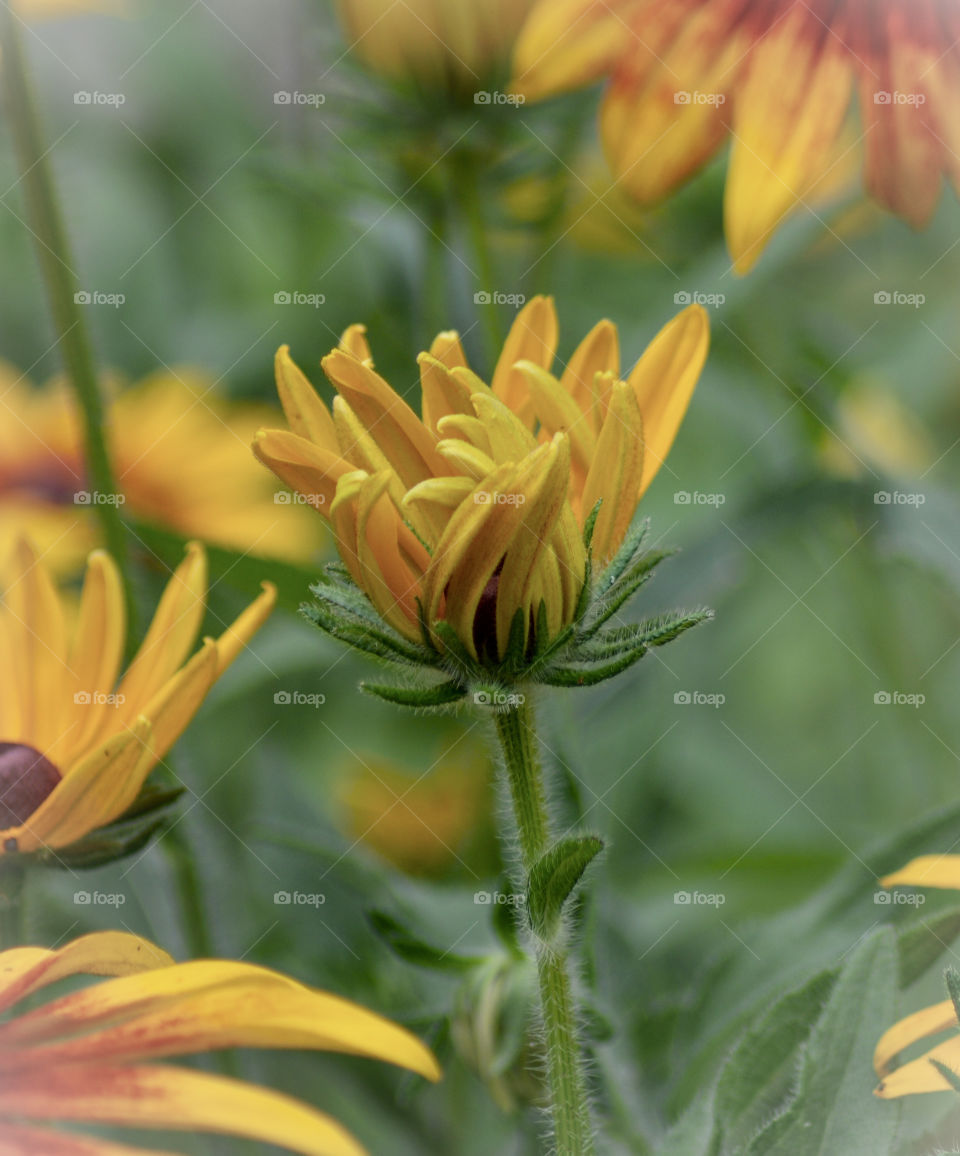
238, 179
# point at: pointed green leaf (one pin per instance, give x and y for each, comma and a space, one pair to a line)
417, 697
590, 674
623, 590
833, 1110
948, 1074
553, 879
625, 555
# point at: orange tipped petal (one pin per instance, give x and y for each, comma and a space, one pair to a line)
533, 337
304, 410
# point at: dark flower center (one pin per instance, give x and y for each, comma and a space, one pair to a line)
26, 779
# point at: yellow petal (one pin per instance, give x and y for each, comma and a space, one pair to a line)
469, 429
202, 1006
567, 43
304, 467
441, 392
920, 1075
532, 337
664, 380
354, 341
37, 660
177, 701
304, 410
95, 656
599, 352
907, 1031
24, 970
245, 626
171, 634
558, 412
447, 493
465, 458
510, 440
927, 871
616, 474
161, 1097
408, 445
529, 569
446, 347
95, 792
790, 112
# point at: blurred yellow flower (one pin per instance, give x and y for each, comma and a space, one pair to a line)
920, 1074
778, 78
87, 1057
76, 744
473, 515
875, 427
419, 822
181, 459
439, 44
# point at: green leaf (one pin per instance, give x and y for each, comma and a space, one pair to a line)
759, 1076
651, 632
948, 1074
625, 555
417, 697
623, 590
586, 674
692, 1134
834, 1110
952, 977
417, 951
553, 879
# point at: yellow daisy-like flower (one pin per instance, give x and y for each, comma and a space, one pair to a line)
76, 743
86, 1057
180, 455
438, 44
472, 515
920, 1074
778, 78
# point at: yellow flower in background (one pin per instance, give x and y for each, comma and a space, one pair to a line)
778, 78
419, 822
875, 428
181, 458
76, 740
474, 512
87, 1057
455, 45
920, 1074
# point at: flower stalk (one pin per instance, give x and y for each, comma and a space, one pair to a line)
53, 253
569, 1106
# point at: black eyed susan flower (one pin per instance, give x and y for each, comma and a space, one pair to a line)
88, 1057
77, 740
778, 78
470, 528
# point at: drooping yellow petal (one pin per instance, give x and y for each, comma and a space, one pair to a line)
170, 636
174, 1099
615, 474
304, 410
790, 112
927, 871
178, 700
24, 970
907, 1031
664, 380
95, 792
533, 337
306, 468
201, 1006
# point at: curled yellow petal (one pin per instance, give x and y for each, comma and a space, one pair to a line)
303, 409
907, 1031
